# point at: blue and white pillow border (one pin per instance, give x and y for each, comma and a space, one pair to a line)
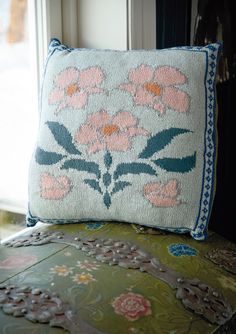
208, 181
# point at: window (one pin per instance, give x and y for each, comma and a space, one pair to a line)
18, 101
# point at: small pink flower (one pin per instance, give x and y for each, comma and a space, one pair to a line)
62, 270
156, 88
71, 87
54, 187
132, 306
83, 278
86, 265
104, 132
162, 195
17, 261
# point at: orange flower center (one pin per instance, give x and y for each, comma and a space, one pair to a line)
84, 278
153, 88
72, 89
61, 270
109, 129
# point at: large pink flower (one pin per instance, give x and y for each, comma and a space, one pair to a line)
54, 187
17, 261
162, 195
156, 88
132, 306
104, 132
71, 87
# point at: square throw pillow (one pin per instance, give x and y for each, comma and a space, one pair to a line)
126, 136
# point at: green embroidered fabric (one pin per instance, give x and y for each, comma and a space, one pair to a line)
113, 299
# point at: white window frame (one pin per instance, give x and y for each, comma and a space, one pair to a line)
47, 18
141, 15
53, 19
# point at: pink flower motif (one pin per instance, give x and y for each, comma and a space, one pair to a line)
83, 278
86, 265
132, 306
156, 88
162, 195
71, 87
54, 187
17, 261
62, 270
104, 132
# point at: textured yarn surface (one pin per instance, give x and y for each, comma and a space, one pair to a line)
126, 136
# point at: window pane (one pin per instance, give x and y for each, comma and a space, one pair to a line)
18, 108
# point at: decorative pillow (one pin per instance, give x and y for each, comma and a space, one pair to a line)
126, 136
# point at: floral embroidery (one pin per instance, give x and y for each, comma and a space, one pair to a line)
113, 133
182, 250
54, 187
83, 278
71, 87
162, 195
86, 265
17, 261
227, 282
132, 306
62, 270
156, 88
94, 226
110, 182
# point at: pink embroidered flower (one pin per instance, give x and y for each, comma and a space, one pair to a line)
54, 187
132, 306
62, 270
156, 88
83, 278
104, 132
86, 265
71, 87
162, 195
17, 261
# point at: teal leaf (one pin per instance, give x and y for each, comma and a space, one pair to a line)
47, 158
178, 165
63, 137
107, 159
106, 179
93, 184
133, 168
107, 200
120, 185
82, 165
159, 141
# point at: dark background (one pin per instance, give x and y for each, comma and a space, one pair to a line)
174, 29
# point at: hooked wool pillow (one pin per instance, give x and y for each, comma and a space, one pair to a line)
126, 136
